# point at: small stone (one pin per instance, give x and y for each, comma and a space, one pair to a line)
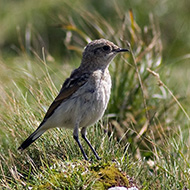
123, 188
118, 188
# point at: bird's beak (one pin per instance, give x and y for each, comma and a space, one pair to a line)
120, 50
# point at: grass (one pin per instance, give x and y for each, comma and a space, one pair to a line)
143, 137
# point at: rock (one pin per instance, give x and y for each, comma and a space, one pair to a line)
123, 188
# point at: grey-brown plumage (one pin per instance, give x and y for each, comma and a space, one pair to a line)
84, 96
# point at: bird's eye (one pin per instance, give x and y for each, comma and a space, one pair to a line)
106, 48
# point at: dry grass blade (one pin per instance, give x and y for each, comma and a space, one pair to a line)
160, 83
141, 83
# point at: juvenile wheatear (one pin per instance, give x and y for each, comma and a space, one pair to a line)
83, 97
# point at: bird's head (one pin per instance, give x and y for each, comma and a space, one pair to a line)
99, 53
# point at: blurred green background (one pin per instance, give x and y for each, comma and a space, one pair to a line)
41, 18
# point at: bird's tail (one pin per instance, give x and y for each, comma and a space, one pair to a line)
35, 135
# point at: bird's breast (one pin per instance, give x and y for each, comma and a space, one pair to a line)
95, 100
86, 106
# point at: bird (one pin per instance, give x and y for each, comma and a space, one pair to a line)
84, 95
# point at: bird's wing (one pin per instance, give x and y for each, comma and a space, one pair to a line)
70, 86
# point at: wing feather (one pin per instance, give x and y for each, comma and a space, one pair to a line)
70, 86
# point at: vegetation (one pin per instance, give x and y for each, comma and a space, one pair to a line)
143, 139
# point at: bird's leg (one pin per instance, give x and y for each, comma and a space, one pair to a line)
83, 133
76, 137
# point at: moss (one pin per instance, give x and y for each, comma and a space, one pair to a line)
47, 186
79, 174
110, 176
